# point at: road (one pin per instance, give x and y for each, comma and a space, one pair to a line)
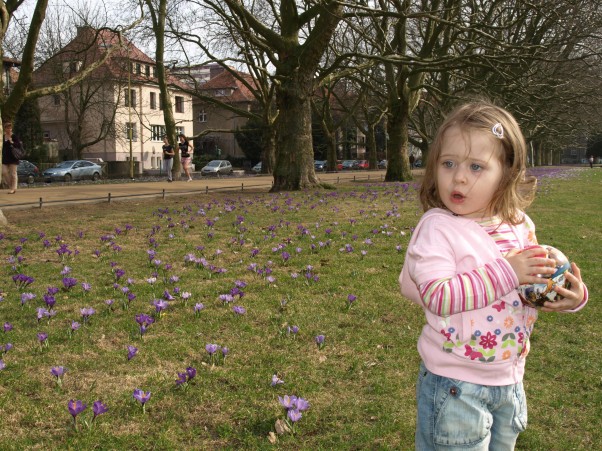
57, 193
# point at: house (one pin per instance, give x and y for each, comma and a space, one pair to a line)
114, 114
215, 124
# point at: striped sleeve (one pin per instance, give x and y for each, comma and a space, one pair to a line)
469, 291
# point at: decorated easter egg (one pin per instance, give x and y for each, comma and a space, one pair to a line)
536, 294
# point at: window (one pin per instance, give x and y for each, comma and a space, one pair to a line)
46, 135
130, 128
202, 116
157, 132
131, 99
153, 100
56, 99
180, 131
71, 67
179, 104
161, 103
138, 68
155, 71
220, 92
147, 70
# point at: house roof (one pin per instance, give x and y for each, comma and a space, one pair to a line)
227, 81
90, 45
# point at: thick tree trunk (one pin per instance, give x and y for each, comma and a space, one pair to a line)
398, 168
294, 168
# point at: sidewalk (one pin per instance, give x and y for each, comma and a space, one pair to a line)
58, 193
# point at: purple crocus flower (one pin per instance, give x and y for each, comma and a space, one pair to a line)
351, 299
52, 290
191, 372
8, 327
294, 415
43, 338
98, 408
160, 305
69, 282
132, 351
2, 365
211, 348
142, 397
302, 404
86, 313
75, 326
49, 300
276, 381
288, 402
181, 380
27, 297
86, 287
75, 408
239, 310
197, 308
58, 371
320, 341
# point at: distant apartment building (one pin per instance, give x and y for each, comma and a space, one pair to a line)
114, 114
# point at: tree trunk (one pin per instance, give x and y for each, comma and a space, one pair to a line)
398, 167
371, 146
294, 148
268, 154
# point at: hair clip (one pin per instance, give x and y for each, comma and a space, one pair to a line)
498, 130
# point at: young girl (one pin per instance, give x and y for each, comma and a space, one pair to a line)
464, 262
185, 154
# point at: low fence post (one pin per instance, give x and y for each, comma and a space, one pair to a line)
242, 186
109, 198
206, 189
40, 202
163, 193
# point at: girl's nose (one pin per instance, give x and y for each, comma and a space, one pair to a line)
460, 175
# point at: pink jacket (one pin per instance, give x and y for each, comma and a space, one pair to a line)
485, 346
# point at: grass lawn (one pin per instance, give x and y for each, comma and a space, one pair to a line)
262, 275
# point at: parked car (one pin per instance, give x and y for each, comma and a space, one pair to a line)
339, 165
27, 172
349, 164
382, 164
363, 164
217, 167
73, 170
257, 168
320, 165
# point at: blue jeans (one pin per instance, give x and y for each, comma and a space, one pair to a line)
457, 415
168, 166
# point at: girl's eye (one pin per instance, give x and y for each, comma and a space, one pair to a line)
448, 164
475, 167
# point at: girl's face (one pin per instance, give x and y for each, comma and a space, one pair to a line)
469, 171
181, 139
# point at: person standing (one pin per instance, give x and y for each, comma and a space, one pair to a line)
185, 154
472, 248
9, 160
168, 155
591, 161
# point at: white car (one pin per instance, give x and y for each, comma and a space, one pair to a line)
217, 167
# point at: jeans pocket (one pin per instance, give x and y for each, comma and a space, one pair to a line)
519, 422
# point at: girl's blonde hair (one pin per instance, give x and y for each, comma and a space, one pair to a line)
515, 191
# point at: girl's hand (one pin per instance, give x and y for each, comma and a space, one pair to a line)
572, 297
528, 263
